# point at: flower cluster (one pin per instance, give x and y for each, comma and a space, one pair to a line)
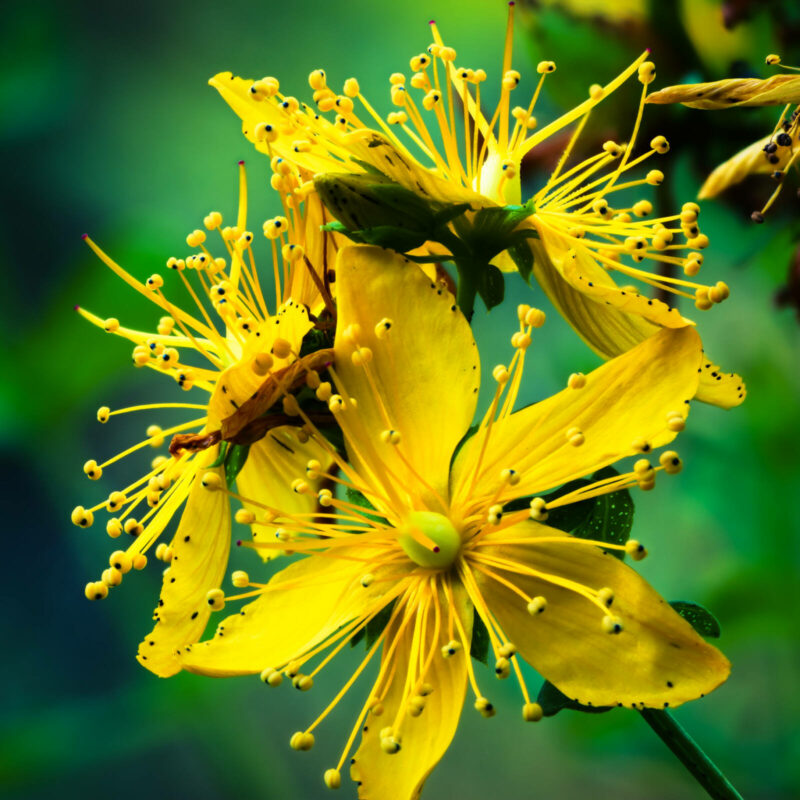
335, 400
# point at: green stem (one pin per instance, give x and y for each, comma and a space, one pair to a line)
703, 769
466, 292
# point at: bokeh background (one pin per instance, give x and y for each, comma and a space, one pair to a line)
108, 127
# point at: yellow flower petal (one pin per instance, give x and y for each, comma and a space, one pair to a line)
751, 160
425, 366
626, 399
273, 463
425, 738
322, 593
723, 389
200, 557
657, 660
240, 381
732, 93
576, 265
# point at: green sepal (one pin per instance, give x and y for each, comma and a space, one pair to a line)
552, 700
700, 618
611, 518
491, 286
357, 499
234, 461
479, 646
218, 461
375, 627
315, 340
522, 256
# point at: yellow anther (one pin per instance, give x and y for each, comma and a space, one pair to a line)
613, 149
121, 561
546, 66
431, 99
390, 745
274, 227
336, 403
176, 263
324, 391
332, 778
500, 373
642, 208
535, 317
596, 91
635, 549
509, 169
485, 708
245, 517
495, 514
302, 682
367, 579
606, 596
398, 95
699, 242
299, 486
522, 311
211, 481
397, 118
575, 437
612, 624
93, 472
502, 668
290, 406
532, 712
538, 509
510, 477
111, 577
166, 326
647, 72
390, 437
773, 59
114, 528
361, 356
479, 76
96, 590
383, 327
215, 599
292, 252
521, 340
600, 206
718, 293
264, 132
240, 579
352, 333
262, 363
416, 705
701, 300
244, 241
133, 527
447, 54
281, 348
301, 741
576, 381
316, 80
156, 435
139, 561
196, 238
660, 144
451, 648
675, 421
155, 281
641, 445
507, 650
537, 605
169, 358
115, 501
103, 414
212, 220
642, 466
688, 216
671, 462
110, 325
163, 552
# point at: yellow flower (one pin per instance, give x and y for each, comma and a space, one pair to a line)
773, 155
441, 543
583, 236
227, 362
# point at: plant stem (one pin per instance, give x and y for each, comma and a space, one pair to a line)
704, 771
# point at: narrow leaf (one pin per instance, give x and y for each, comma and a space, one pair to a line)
700, 618
479, 646
235, 460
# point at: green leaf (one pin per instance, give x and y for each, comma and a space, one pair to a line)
700, 618
611, 518
218, 461
552, 700
356, 498
491, 286
522, 255
234, 461
392, 237
479, 646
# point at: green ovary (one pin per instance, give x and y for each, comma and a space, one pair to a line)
444, 540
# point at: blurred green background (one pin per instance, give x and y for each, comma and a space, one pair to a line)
108, 127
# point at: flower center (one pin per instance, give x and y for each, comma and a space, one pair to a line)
429, 539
